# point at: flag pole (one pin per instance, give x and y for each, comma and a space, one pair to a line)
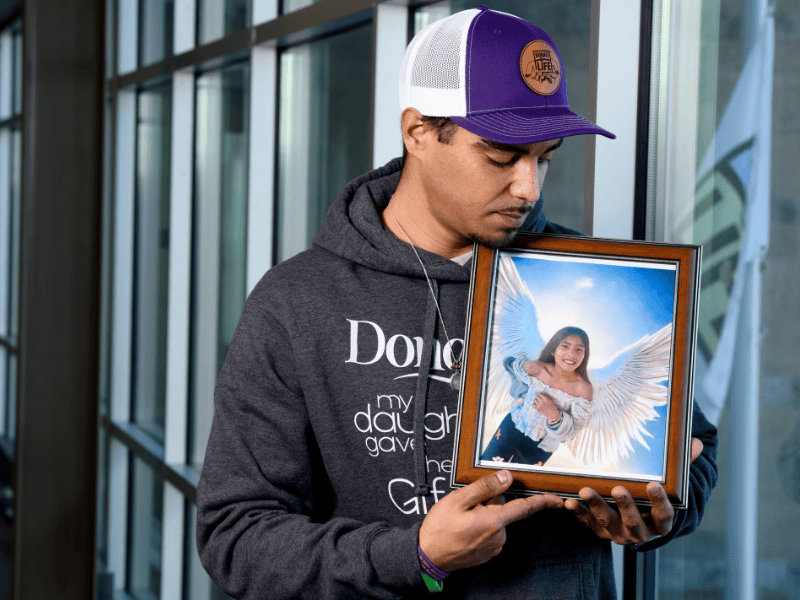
742, 549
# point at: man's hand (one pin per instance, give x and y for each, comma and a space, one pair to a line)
468, 526
630, 525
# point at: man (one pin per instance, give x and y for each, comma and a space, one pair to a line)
326, 469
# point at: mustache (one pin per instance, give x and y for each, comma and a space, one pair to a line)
520, 210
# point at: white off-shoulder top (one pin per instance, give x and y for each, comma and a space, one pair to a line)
575, 410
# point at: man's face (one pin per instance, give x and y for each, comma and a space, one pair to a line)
482, 191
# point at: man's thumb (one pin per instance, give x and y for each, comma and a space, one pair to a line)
485, 488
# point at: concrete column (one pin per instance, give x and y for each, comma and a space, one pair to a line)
57, 429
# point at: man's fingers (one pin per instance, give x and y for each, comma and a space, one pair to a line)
662, 512
604, 515
629, 514
498, 500
586, 517
478, 492
697, 448
525, 507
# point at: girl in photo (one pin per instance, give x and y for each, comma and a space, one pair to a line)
556, 401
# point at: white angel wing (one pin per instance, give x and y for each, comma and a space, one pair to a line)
515, 332
626, 393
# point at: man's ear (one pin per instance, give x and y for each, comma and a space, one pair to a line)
416, 133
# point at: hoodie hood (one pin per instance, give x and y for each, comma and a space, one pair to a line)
353, 229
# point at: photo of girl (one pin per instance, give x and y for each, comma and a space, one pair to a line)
544, 407
557, 400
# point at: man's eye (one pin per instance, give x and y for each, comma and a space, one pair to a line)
502, 164
544, 161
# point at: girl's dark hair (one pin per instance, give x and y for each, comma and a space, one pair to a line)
559, 336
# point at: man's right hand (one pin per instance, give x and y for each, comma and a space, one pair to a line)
468, 526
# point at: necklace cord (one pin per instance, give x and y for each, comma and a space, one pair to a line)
457, 364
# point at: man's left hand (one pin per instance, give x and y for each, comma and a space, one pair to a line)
630, 525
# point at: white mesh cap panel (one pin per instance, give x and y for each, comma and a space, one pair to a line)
432, 73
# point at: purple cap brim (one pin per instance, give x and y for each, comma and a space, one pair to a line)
526, 126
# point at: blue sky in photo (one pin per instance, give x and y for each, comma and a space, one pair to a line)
616, 305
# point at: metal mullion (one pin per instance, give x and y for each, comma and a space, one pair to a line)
640, 575
184, 478
185, 26
172, 535
617, 82
640, 215
180, 254
118, 481
262, 157
122, 262
308, 24
15, 120
127, 36
140, 444
314, 22
217, 52
390, 38
13, 348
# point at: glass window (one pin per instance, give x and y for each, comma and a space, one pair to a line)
10, 174
219, 234
15, 177
102, 496
288, 6
218, 18
742, 549
8, 395
568, 22
106, 271
7, 234
17, 33
144, 579
6, 74
3, 391
156, 30
198, 584
323, 129
152, 256
11, 402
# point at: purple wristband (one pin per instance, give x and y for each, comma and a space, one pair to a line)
429, 567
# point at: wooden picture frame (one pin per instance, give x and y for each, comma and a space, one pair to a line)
626, 420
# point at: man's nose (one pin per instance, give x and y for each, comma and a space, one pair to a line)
526, 180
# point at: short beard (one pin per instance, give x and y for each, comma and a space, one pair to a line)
501, 242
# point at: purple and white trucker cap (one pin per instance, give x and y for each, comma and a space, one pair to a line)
493, 74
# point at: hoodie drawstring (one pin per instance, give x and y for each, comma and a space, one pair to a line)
420, 454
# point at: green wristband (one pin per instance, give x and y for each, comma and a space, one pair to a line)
431, 583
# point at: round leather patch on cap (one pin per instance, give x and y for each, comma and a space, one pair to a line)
540, 67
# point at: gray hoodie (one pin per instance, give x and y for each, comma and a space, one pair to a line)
316, 476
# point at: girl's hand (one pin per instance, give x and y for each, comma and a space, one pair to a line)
545, 404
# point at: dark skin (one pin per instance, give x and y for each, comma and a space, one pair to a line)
449, 197
629, 525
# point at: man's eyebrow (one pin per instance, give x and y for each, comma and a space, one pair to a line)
484, 143
554, 146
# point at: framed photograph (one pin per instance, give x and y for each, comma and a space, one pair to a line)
579, 366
